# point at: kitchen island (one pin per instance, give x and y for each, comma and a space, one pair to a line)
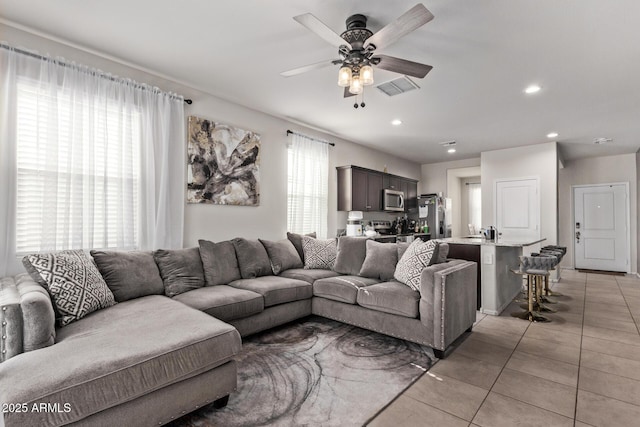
497, 284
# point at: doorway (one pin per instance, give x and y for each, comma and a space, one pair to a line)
601, 224
518, 209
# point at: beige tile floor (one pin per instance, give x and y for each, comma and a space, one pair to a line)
582, 369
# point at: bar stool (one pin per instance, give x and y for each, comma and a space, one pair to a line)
534, 269
558, 252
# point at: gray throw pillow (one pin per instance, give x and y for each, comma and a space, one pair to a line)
219, 262
296, 239
351, 254
181, 270
252, 258
319, 253
129, 274
73, 282
380, 262
282, 254
416, 258
443, 252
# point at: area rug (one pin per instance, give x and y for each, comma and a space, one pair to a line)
316, 372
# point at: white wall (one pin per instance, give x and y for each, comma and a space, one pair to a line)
269, 220
541, 161
597, 170
434, 175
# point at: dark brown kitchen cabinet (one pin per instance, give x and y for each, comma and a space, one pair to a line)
359, 189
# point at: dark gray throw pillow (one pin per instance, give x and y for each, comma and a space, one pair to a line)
219, 262
129, 274
252, 258
351, 254
296, 239
282, 254
181, 270
380, 262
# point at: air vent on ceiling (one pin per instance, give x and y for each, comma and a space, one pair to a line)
600, 141
396, 87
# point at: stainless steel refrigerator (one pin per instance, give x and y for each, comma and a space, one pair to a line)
436, 211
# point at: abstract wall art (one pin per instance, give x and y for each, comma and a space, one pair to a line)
224, 164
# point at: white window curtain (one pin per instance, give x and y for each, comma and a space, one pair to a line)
474, 191
308, 185
87, 160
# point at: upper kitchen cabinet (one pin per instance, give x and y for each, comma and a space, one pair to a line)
359, 189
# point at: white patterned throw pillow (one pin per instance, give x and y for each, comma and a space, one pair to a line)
319, 253
416, 258
73, 281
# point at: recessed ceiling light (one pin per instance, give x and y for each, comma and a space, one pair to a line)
396, 122
451, 150
532, 89
552, 135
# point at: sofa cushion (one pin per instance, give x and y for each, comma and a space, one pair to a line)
350, 254
219, 262
180, 269
276, 289
252, 258
282, 255
341, 288
308, 275
319, 253
114, 356
417, 257
129, 274
390, 297
73, 282
223, 302
380, 261
296, 239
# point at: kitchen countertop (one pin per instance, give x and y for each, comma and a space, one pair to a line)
481, 241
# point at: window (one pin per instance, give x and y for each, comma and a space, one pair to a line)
474, 207
78, 170
87, 160
308, 173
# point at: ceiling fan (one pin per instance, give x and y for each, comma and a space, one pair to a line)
357, 49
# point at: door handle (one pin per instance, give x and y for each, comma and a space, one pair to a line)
577, 237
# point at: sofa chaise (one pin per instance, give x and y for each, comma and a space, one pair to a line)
166, 343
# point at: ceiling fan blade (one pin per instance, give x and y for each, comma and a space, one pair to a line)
309, 67
402, 66
412, 19
347, 94
320, 29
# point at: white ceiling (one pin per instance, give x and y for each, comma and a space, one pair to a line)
584, 53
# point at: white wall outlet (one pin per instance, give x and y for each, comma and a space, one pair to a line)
488, 258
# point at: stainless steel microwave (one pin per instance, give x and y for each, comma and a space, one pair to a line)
392, 200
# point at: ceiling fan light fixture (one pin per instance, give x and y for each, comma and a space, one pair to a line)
356, 85
366, 75
344, 76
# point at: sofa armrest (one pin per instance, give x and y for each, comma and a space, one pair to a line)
448, 300
38, 316
10, 319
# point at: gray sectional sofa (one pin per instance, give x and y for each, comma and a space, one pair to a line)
167, 347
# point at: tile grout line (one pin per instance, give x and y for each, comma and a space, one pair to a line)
584, 303
499, 374
627, 305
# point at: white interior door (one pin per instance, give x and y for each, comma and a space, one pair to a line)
517, 210
600, 227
